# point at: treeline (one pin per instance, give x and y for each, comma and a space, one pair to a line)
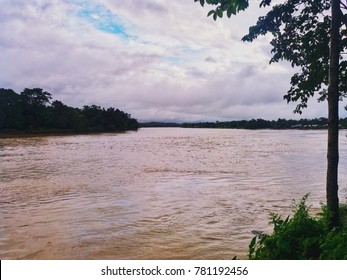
32, 111
318, 123
160, 124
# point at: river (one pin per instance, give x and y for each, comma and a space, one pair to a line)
158, 193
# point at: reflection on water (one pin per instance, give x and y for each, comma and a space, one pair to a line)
154, 194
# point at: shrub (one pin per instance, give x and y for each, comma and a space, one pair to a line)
301, 237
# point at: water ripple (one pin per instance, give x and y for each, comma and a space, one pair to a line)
154, 194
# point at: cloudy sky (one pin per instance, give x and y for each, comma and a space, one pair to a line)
155, 59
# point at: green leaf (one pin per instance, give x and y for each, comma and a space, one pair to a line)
219, 13
254, 239
210, 13
202, 2
265, 3
242, 5
231, 11
226, 6
252, 248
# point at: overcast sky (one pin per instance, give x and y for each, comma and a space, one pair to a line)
155, 59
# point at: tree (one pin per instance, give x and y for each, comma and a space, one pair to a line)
35, 111
30, 112
36, 97
10, 110
60, 116
333, 115
308, 34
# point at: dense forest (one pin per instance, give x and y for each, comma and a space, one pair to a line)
32, 111
320, 123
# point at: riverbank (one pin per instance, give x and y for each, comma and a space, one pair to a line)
53, 132
318, 123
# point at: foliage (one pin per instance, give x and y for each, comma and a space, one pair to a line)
301, 237
300, 32
31, 111
334, 245
230, 7
35, 97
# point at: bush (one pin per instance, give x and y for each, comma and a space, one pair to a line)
301, 237
334, 245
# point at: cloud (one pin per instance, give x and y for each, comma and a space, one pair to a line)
155, 59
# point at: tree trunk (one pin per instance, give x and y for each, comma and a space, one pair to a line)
333, 119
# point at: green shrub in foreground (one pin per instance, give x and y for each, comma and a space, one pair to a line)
301, 237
